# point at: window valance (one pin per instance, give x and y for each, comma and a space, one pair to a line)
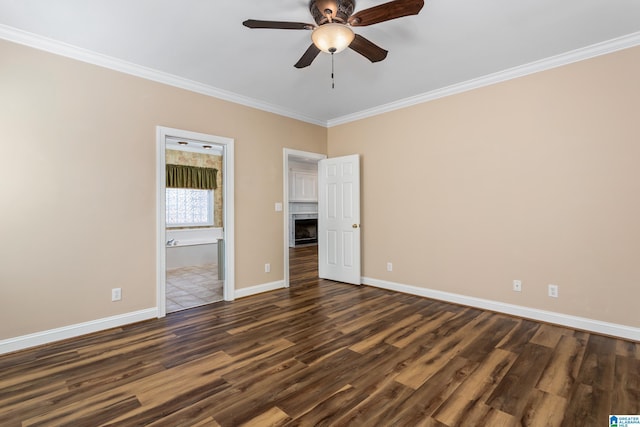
179, 176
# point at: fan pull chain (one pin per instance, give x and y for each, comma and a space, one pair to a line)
333, 82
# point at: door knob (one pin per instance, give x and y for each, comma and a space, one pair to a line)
355, 225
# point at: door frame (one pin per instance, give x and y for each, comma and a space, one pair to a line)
227, 211
287, 153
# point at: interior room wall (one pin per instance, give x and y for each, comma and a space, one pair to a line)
534, 179
78, 186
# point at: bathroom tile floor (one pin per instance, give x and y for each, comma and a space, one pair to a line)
193, 286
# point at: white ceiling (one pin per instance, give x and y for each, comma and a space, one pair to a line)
205, 46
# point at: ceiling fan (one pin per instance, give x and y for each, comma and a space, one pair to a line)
334, 19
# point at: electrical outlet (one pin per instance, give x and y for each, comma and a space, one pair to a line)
116, 294
517, 285
389, 266
267, 268
553, 291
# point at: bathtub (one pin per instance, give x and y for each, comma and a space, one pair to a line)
192, 246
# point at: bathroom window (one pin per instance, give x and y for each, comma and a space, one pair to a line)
187, 207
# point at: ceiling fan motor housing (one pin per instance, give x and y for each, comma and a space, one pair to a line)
341, 10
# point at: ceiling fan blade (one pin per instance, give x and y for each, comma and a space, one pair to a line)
279, 25
308, 57
369, 50
386, 12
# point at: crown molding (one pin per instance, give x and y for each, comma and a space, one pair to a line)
598, 49
64, 49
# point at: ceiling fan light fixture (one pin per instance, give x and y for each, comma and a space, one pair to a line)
332, 37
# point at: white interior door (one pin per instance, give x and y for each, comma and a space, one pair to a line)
339, 219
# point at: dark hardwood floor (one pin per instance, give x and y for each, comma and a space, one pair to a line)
325, 353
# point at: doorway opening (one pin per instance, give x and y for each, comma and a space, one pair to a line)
300, 214
195, 219
194, 225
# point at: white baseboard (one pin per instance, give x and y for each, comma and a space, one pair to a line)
613, 329
258, 289
45, 337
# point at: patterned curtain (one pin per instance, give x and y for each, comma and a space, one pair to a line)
179, 176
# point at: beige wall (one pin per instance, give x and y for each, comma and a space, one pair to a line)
78, 216
536, 179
